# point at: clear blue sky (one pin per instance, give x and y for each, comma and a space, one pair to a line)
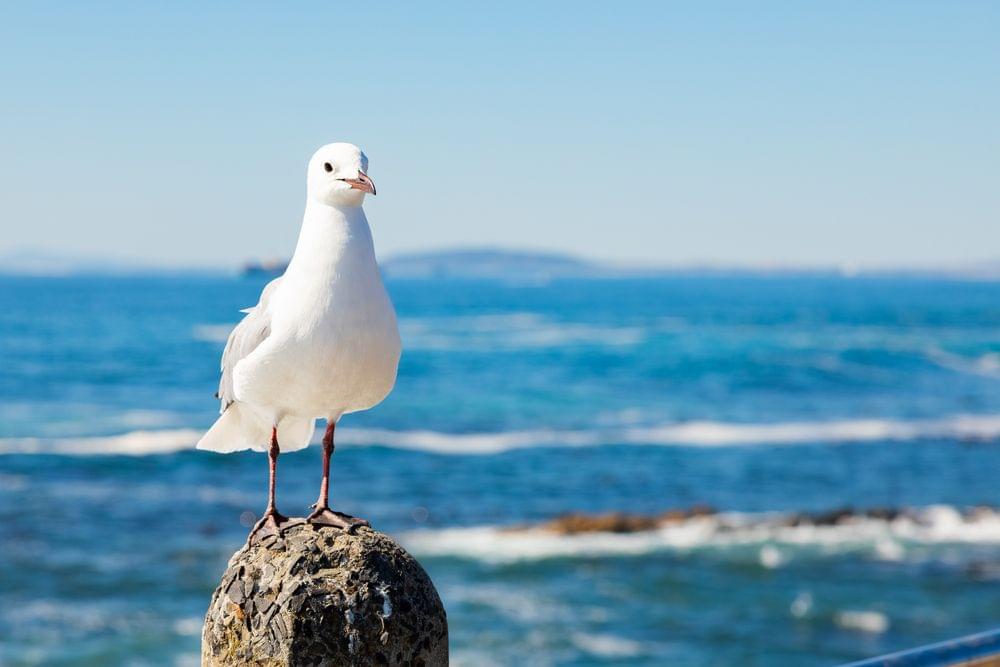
800, 132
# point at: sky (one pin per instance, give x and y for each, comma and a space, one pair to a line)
798, 133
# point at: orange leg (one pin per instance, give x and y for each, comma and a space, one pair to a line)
271, 522
322, 514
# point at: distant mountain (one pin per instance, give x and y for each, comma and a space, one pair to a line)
496, 264
490, 264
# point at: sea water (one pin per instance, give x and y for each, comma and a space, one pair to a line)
517, 402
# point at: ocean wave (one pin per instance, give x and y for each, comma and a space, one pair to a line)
133, 443
959, 427
511, 331
487, 333
987, 364
467, 443
606, 645
770, 539
873, 622
684, 434
695, 434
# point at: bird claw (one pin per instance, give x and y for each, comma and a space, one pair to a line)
272, 523
324, 516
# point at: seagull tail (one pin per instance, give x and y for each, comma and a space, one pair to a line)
236, 429
295, 433
239, 428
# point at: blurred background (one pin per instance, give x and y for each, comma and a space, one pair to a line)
730, 271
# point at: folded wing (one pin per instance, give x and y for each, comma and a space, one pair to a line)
244, 339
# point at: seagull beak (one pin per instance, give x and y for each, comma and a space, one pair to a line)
362, 182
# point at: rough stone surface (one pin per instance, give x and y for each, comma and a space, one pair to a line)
621, 522
325, 597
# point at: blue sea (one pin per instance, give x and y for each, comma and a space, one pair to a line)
762, 397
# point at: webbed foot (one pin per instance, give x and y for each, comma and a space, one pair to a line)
324, 516
272, 523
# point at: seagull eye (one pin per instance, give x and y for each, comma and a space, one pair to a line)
328, 166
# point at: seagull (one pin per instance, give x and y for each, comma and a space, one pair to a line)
322, 341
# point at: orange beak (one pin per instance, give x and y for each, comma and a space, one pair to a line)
362, 182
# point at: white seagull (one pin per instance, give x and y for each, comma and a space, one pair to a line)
322, 341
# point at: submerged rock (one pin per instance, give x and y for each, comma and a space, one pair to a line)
325, 597
621, 522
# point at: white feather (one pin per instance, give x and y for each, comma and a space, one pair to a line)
323, 341
239, 428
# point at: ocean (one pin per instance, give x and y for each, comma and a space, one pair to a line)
517, 402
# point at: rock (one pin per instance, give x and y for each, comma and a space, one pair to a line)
830, 518
325, 597
612, 522
883, 513
620, 522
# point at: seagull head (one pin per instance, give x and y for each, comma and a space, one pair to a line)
337, 175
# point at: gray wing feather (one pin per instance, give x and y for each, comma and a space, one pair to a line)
244, 339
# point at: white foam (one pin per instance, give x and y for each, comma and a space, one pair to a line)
772, 539
467, 443
961, 427
134, 443
511, 331
987, 364
694, 434
688, 434
771, 557
189, 627
606, 646
874, 622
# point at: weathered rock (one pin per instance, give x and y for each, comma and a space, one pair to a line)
325, 597
620, 522
623, 522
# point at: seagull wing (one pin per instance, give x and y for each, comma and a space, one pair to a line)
248, 334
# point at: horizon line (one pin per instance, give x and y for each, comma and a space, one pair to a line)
55, 263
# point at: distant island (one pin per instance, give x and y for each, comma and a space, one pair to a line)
534, 266
530, 266
474, 263
491, 264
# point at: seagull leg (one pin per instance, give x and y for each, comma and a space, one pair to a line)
271, 522
322, 515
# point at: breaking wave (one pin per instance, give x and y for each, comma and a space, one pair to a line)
769, 539
134, 443
695, 434
987, 364
512, 331
687, 434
